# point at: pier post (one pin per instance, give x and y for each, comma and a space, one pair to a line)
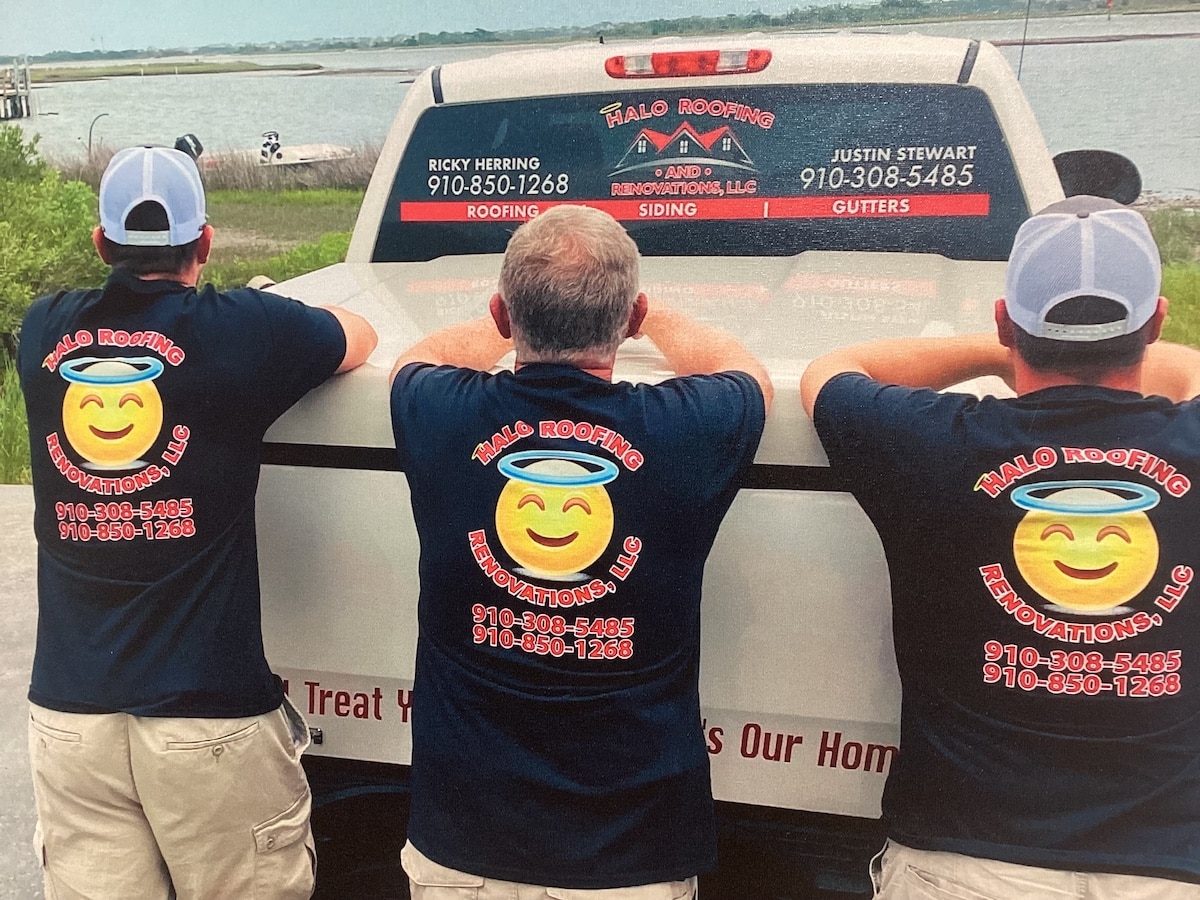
16, 96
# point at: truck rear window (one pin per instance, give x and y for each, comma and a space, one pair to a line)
749, 171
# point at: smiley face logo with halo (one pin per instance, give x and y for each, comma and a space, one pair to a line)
1086, 546
554, 516
112, 412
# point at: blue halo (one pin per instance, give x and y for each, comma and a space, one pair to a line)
71, 370
607, 470
1145, 498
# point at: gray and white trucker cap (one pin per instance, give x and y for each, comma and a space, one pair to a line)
159, 174
1083, 247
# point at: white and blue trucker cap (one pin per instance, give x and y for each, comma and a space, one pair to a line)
1083, 247
159, 174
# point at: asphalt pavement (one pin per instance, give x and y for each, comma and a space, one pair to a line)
20, 878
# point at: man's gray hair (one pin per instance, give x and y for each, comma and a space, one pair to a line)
569, 280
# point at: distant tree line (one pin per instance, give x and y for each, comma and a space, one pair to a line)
825, 16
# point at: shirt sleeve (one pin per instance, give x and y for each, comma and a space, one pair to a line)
427, 406
402, 402
878, 435
727, 413
306, 346
30, 338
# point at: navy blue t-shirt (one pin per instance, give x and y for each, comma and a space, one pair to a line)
147, 405
1041, 552
564, 525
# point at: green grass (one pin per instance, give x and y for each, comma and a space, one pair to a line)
281, 234
294, 215
327, 250
1177, 233
1181, 286
14, 432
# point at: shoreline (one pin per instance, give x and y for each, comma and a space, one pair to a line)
1093, 39
61, 74
207, 61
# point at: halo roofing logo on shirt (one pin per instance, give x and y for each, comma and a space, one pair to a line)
554, 517
112, 412
1086, 546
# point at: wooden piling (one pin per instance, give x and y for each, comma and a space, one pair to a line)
16, 94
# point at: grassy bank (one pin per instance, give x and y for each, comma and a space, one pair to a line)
351, 174
1177, 233
1181, 285
280, 233
325, 251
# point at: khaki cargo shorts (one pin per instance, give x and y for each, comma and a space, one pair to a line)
141, 808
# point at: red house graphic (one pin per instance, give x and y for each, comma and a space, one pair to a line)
719, 147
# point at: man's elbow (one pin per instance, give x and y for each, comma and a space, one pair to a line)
361, 339
819, 372
744, 362
768, 389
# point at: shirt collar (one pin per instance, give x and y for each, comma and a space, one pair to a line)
556, 370
126, 280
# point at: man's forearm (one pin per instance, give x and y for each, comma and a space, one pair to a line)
912, 362
694, 348
472, 345
690, 347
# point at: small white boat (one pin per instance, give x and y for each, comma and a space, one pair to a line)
274, 152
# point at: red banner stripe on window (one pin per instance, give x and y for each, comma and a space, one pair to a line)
840, 207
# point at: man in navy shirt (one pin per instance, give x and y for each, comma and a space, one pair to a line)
166, 759
564, 524
1041, 551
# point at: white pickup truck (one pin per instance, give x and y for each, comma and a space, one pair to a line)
804, 192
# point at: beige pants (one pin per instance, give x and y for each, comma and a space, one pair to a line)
907, 874
431, 881
140, 808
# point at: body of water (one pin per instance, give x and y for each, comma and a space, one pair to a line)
1137, 97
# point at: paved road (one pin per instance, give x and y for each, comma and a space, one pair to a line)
19, 875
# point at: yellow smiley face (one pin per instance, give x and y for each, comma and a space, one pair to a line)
1088, 563
552, 530
114, 423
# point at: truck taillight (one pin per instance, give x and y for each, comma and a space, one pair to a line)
686, 63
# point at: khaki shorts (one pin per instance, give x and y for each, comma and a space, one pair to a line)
902, 873
141, 808
432, 881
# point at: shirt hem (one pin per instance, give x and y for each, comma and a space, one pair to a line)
157, 710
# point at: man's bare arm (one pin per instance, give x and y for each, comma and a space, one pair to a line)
472, 345
1171, 371
912, 362
361, 338
694, 348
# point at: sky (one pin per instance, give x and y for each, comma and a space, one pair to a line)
42, 27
